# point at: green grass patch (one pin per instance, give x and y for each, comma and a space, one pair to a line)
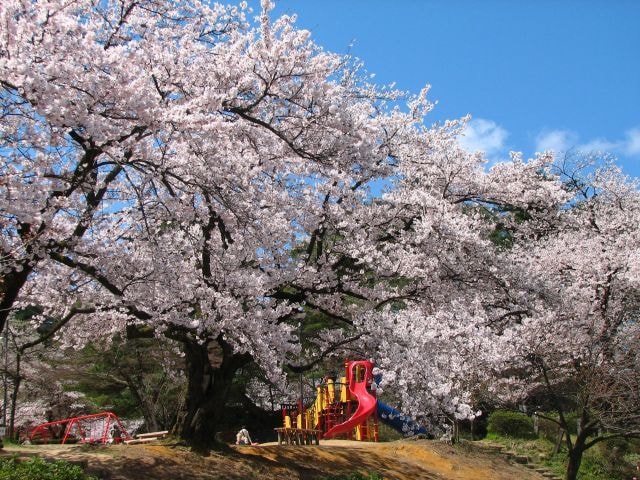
36, 468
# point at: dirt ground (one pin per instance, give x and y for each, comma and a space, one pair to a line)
400, 460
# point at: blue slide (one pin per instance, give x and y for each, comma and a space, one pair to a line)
407, 426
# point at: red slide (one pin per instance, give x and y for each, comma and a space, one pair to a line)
366, 401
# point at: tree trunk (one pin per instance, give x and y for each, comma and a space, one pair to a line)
575, 458
10, 287
136, 387
558, 444
575, 454
150, 417
14, 398
208, 389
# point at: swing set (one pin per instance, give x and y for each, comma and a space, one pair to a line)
97, 429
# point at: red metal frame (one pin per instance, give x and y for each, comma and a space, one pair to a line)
82, 424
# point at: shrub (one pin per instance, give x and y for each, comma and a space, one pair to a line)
510, 424
37, 469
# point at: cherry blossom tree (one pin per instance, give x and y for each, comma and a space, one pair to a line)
436, 338
168, 166
177, 168
542, 300
578, 341
35, 388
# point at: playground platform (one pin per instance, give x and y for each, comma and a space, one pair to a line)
298, 436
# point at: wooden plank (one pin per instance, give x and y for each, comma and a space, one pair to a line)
152, 434
136, 441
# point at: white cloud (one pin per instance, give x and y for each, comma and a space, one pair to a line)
632, 141
555, 140
563, 140
483, 135
600, 145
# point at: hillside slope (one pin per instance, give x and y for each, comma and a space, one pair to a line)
401, 460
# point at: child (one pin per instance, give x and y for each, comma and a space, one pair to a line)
243, 437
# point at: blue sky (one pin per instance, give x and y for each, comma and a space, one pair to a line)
533, 74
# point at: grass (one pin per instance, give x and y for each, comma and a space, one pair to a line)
598, 463
35, 468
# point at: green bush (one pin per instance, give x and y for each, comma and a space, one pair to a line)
37, 469
510, 424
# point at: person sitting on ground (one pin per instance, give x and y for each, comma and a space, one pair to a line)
243, 437
116, 434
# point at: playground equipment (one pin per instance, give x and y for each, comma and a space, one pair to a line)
359, 378
100, 428
347, 408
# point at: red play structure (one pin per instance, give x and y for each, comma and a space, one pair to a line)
100, 428
346, 408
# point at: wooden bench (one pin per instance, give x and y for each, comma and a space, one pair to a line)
298, 436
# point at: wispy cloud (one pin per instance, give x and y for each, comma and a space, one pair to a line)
563, 140
556, 140
601, 145
484, 135
632, 141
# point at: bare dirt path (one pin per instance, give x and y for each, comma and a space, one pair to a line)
401, 460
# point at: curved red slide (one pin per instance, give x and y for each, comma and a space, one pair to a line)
366, 401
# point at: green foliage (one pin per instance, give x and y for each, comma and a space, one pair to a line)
549, 429
37, 469
598, 463
614, 455
131, 377
24, 316
501, 237
594, 467
97, 377
314, 322
557, 464
387, 434
633, 458
355, 476
510, 424
27, 313
610, 460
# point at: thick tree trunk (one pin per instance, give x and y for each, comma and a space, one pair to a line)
10, 287
208, 388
